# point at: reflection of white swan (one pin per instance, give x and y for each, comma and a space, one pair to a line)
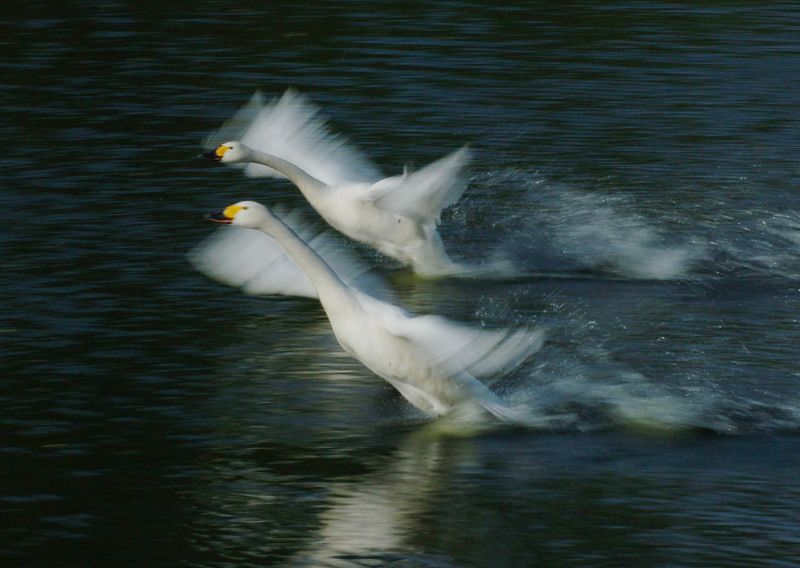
432, 362
396, 215
380, 514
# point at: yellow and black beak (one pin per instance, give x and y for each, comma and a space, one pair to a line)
217, 154
226, 216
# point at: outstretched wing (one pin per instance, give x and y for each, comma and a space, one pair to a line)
290, 128
464, 353
457, 347
251, 260
423, 194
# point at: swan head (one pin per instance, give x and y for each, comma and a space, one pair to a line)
229, 152
248, 214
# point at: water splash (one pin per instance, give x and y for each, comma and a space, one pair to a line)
564, 393
552, 227
574, 396
577, 382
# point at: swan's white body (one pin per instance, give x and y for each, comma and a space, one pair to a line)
431, 361
395, 215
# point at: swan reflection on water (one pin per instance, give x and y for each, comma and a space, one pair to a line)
378, 516
332, 515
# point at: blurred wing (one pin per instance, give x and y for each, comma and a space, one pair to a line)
460, 348
424, 193
237, 125
290, 129
250, 260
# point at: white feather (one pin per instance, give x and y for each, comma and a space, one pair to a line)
423, 194
255, 263
290, 128
479, 351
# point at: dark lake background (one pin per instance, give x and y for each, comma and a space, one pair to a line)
637, 161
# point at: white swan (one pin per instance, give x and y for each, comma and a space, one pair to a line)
431, 361
395, 215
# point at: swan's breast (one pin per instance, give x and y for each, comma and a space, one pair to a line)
390, 233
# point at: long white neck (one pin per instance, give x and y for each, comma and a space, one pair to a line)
310, 186
333, 293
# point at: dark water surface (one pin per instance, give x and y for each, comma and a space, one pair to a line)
638, 161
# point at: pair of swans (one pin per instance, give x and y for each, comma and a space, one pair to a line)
434, 363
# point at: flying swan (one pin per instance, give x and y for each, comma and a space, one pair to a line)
396, 215
431, 361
